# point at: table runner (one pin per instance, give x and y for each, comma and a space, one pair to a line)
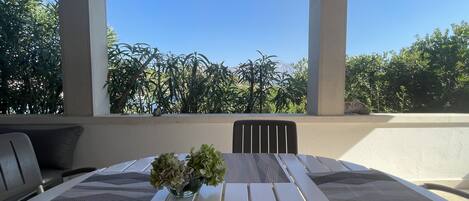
253, 168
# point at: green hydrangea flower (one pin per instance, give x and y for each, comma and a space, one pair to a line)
205, 164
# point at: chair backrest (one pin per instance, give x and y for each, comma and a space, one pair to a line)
19, 171
264, 136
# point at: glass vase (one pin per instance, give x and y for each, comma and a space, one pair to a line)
188, 191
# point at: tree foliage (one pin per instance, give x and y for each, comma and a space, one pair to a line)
140, 77
431, 75
30, 73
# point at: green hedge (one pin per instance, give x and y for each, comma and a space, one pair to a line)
431, 75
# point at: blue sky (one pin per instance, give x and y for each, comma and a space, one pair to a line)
232, 30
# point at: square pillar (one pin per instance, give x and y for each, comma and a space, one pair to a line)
84, 56
326, 57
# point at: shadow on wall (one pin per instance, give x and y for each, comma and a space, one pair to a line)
464, 184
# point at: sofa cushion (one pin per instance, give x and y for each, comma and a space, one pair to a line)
54, 147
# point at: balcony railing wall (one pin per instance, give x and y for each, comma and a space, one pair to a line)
418, 147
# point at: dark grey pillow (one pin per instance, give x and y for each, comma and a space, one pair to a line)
54, 147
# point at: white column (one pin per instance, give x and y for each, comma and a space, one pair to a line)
84, 56
326, 57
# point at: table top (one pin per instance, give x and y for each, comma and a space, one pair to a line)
250, 177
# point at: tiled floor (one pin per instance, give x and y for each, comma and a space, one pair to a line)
451, 197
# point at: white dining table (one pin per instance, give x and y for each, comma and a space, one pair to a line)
298, 186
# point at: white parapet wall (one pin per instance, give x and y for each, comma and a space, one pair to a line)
417, 147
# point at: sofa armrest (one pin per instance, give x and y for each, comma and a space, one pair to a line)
438, 187
73, 172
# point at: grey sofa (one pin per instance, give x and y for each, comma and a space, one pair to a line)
54, 146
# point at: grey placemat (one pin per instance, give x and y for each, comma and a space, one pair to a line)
131, 186
370, 185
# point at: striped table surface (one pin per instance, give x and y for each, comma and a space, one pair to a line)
250, 177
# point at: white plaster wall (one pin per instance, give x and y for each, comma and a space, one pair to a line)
414, 147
